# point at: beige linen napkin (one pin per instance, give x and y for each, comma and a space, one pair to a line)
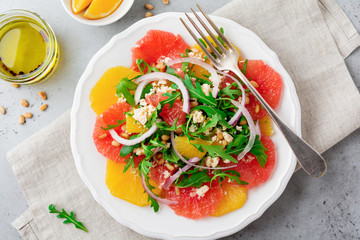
311, 38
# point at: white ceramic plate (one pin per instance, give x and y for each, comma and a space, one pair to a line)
119, 13
165, 224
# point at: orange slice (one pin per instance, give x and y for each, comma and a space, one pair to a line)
186, 149
79, 5
234, 197
266, 126
101, 8
103, 94
126, 186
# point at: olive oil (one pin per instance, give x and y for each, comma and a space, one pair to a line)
22, 48
29, 50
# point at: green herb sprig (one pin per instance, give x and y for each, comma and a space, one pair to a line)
69, 218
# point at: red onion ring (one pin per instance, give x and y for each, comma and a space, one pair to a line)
257, 128
177, 174
215, 77
172, 138
131, 142
155, 76
250, 121
152, 195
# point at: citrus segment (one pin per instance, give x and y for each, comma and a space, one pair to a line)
132, 126
192, 205
102, 138
251, 171
157, 45
103, 94
266, 126
187, 150
79, 5
101, 8
126, 186
169, 115
270, 86
234, 197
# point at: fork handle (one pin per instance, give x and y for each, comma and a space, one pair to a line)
309, 159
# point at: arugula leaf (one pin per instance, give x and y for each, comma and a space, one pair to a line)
154, 204
146, 90
119, 122
202, 42
171, 71
129, 162
126, 150
167, 127
170, 100
144, 66
210, 124
148, 150
211, 111
258, 150
198, 93
232, 93
69, 218
171, 156
123, 89
194, 180
215, 151
244, 68
233, 176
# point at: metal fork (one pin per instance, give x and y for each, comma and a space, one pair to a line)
227, 59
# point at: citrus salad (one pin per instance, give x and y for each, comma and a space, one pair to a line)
177, 131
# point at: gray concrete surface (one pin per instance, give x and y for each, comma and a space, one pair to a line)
326, 208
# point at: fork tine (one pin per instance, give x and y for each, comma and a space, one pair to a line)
216, 41
216, 29
212, 59
215, 51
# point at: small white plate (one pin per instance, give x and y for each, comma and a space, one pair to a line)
165, 224
119, 13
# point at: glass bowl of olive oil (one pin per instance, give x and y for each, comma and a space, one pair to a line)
29, 51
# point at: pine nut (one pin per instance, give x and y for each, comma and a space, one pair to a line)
24, 103
43, 107
28, 115
15, 85
165, 137
257, 108
148, 14
43, 95
194, 104
123, 127
177, 190
169, 166
21, 119
158, 155
220, 136
115, 143
102, 136
149, 6
224, 143
243, 122
255, 84
247, 100
161, 66
2, 110
164, 142
124, 135
161, 161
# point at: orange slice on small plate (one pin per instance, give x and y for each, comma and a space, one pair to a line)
101, 8
79, 5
